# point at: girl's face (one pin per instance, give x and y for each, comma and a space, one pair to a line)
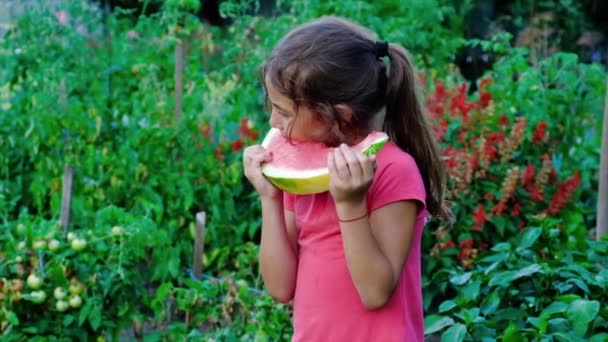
305, 125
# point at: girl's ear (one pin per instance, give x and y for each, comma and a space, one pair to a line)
346, 113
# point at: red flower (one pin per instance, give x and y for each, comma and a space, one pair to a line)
539, 133
449, 153
440, 129
485, 82
528, 178
479, 217
483, 246
495, 137
499, 208
468, 243
552, 175
564, 194
491, 151
503, 120
516, 210
484, 96
246, 131
484, 99
205, 130
521, 225
218, 153
535, 193
440, 91
447, 244
237, 144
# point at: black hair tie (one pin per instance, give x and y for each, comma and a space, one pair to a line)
381, 49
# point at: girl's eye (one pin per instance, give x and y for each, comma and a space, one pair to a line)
283, 114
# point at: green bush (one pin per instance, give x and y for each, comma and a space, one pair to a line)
527, 288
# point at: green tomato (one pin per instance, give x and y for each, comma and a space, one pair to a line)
34, 282
53, 245
117, 230
71, 236
75, 288
39, 244
75, 301
79, 244
60, 293
61, 305
20, 228
38, 297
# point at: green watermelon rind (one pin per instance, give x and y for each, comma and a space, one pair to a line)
309, 181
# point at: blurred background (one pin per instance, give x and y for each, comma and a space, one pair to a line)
122, 122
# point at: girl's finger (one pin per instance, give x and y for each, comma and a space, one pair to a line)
354, 164
367, 166
341, 164
331, 164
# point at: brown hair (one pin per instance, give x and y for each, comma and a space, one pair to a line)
331, 62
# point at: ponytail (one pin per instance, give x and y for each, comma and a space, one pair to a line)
407, 125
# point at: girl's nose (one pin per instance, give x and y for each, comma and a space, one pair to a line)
274, 121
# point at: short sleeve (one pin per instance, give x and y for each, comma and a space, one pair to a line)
288, 201
397, 178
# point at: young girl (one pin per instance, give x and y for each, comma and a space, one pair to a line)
350, 257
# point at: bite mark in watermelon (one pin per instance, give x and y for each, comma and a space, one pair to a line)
301, 167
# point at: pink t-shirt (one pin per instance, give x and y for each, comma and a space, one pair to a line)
327, 306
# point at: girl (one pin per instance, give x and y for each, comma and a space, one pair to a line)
349, 258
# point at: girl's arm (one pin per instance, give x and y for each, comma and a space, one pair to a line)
278, 249
376, 248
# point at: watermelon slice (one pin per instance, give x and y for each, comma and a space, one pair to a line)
301, 167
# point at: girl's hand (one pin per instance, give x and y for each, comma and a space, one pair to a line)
253, 157
350, 174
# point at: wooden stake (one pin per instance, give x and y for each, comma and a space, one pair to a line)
66, 197
602, 198
179, 67
199, 244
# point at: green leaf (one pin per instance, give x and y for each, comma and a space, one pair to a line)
581, 312
505, 278
434, 323
539, 323
602, 277
490, 303
581, 285
68, 319
553, 308
501, 247
494, 265
460, 279
601, 337
529, 237
447, 305
84, 312
12, 318
512, 334
471, 290
568, 337
95, 316
559, 324
569, 298
455, 333
261, 336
